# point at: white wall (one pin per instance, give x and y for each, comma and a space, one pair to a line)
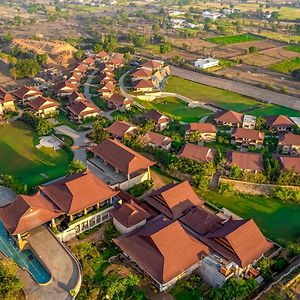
122, 229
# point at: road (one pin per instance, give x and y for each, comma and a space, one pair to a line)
237, 87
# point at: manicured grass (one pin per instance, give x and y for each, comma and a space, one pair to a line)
286, 66
233, 39
278, 220
293, 48
176, 109
20, 158
200, 92
272, 110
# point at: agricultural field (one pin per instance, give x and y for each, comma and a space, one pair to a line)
272, 110
199, 92
176, 109
28, 164
286, 66
293, 48
233, 39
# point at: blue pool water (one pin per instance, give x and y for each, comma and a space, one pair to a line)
25, 259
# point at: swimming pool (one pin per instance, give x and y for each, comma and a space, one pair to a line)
25, 259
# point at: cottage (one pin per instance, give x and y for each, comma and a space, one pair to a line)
117, 62
105, 68
207, 131
88, 62
153, 64
75, 78
121, 129
102, 55
43, 107
65, 88
82, 109
243, 137
201, 154
80, 69
154, 139
161, 121
289, 144
7, 102
279, 123
106, 77
143, 85
107, 90
27, 93
141, 73
75, 96
235, 119
119, 102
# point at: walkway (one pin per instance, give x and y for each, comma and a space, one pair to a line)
237, 87
64, 268
80, 141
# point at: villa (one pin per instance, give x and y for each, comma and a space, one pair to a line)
119, 102
106, 77
27, 93
116, 62
143, 85
153, 64
142, 73
279, 123
121, 129
80, 69
105, 68
289, 144
201, 154
243, 137
235, 119
43, 107
75, 78
65, 88
288, 163
161, 121
154, 139
207, 131
107, 90
7, 101
88, 62
82, 109
102, 55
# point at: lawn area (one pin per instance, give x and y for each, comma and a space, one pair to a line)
272, 110
233, 39
20, 158
200, 92
176, 109
278, 220
293, 48
286, 66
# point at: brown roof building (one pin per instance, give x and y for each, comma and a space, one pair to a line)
43, 106
76, 96
82, 109
65, 88
121, 129
157, 140
26, 93
229, 118
158, 118
207, 131
106, 91
119, 102
6, 101
153, 64
247, 137
102, 55
245, 160
288, 163
75, 78
289, 144
143, 85
279, 123
142, 73
107, 77
199, 153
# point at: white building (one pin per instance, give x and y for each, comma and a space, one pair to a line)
211, 15
205, 63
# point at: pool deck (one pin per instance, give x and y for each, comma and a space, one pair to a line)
58, 261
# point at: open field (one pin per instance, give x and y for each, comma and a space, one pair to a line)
195, 44
30, 165
286, 66
258, 59
260, 45
232, 39
280, 37
272, 110
176, 109
293, 48
278, 220
280, 53
199, 92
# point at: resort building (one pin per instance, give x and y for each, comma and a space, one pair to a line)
154, 139
102, 55
75, 78
153, 64
119, 102
143, 85
43, 107
279, 123
243, 137
235, 119
289, 143
161, 121
106, 77
116, 62
88, 62
107, 90
27, 93
82, 109
121, 129
207, 131
75, 96
288, 163
141, 73
80, 69
7, 101
205, 63
65, 88
201, 154
105, 68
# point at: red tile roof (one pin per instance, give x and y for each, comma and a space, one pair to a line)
43, 103
195, 152
289, 162
279, 121
153, 64
108, 87
250, 134
5, 96
119, 100
163, 249
142, 83
89, 60
290, 139
156, 116
202, 127
117, 61
102, 54
23, 92
77, 108
156, 139
75, 96
142, 73
120, 128
121, 157
230, 117
246, 160
69, 85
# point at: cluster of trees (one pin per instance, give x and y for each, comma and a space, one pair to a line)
11, 182
269, 266
108, 42
42, 126
286, 194
76, 166
98, 133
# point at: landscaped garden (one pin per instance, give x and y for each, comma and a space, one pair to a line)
176, 109
200, 92
20, 158
272, 110
233, 39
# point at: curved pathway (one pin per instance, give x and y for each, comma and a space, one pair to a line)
237, 87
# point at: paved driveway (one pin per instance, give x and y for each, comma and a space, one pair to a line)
61, 265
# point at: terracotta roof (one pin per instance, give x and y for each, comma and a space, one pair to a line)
121, 157
108, 87
289, 162
78, 108
142, 83
130, 214
156, 116
250, 134
104, 78
43, 103
81, 68
230, 117
195, 152
102, 54
279, 121
89, 60
290, 139
242, 238
116, 61
75, 77
5, 96
142, 73
119, 100
28, 212
22, 92
75, 193
70, 86
120, 128
163, 249
245, 160
152, 64
156, 138
202, 127
75, 96
174, 199
105, 67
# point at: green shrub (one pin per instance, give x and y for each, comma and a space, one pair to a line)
140, 188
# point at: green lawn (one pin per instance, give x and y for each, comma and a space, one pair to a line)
293, 48
272, 110
278, 220
233, 39
200, 92
20, 158
176, 109
286, 66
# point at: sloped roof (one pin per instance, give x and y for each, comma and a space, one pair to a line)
130, 214
78, 107
289, 162
230, 117
142, 73
105, 67
155, 116
142, 83
80, 68
28, 212
163, 249
108, 87
245, 160
119, 99
102, 54
152, 64
174, 199
75, 193
156, 138
43, 103
75, 96
119, 128
5, 96
71, 86
115, 61
279, 121
89, 60
21, 93
195, 152
290, 139
250, 134
121, 157
202, 127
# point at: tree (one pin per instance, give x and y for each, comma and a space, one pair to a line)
25, 68
43, 127
252, 49
164, 48
10, 284
79, 54
98, 134
260, 123
76, 166
296, 74
41, 58
235, 172
194, 136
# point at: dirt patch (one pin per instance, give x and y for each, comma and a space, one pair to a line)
184, 54
258, 59
195, 44
227, 52
260, 45
280, 53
